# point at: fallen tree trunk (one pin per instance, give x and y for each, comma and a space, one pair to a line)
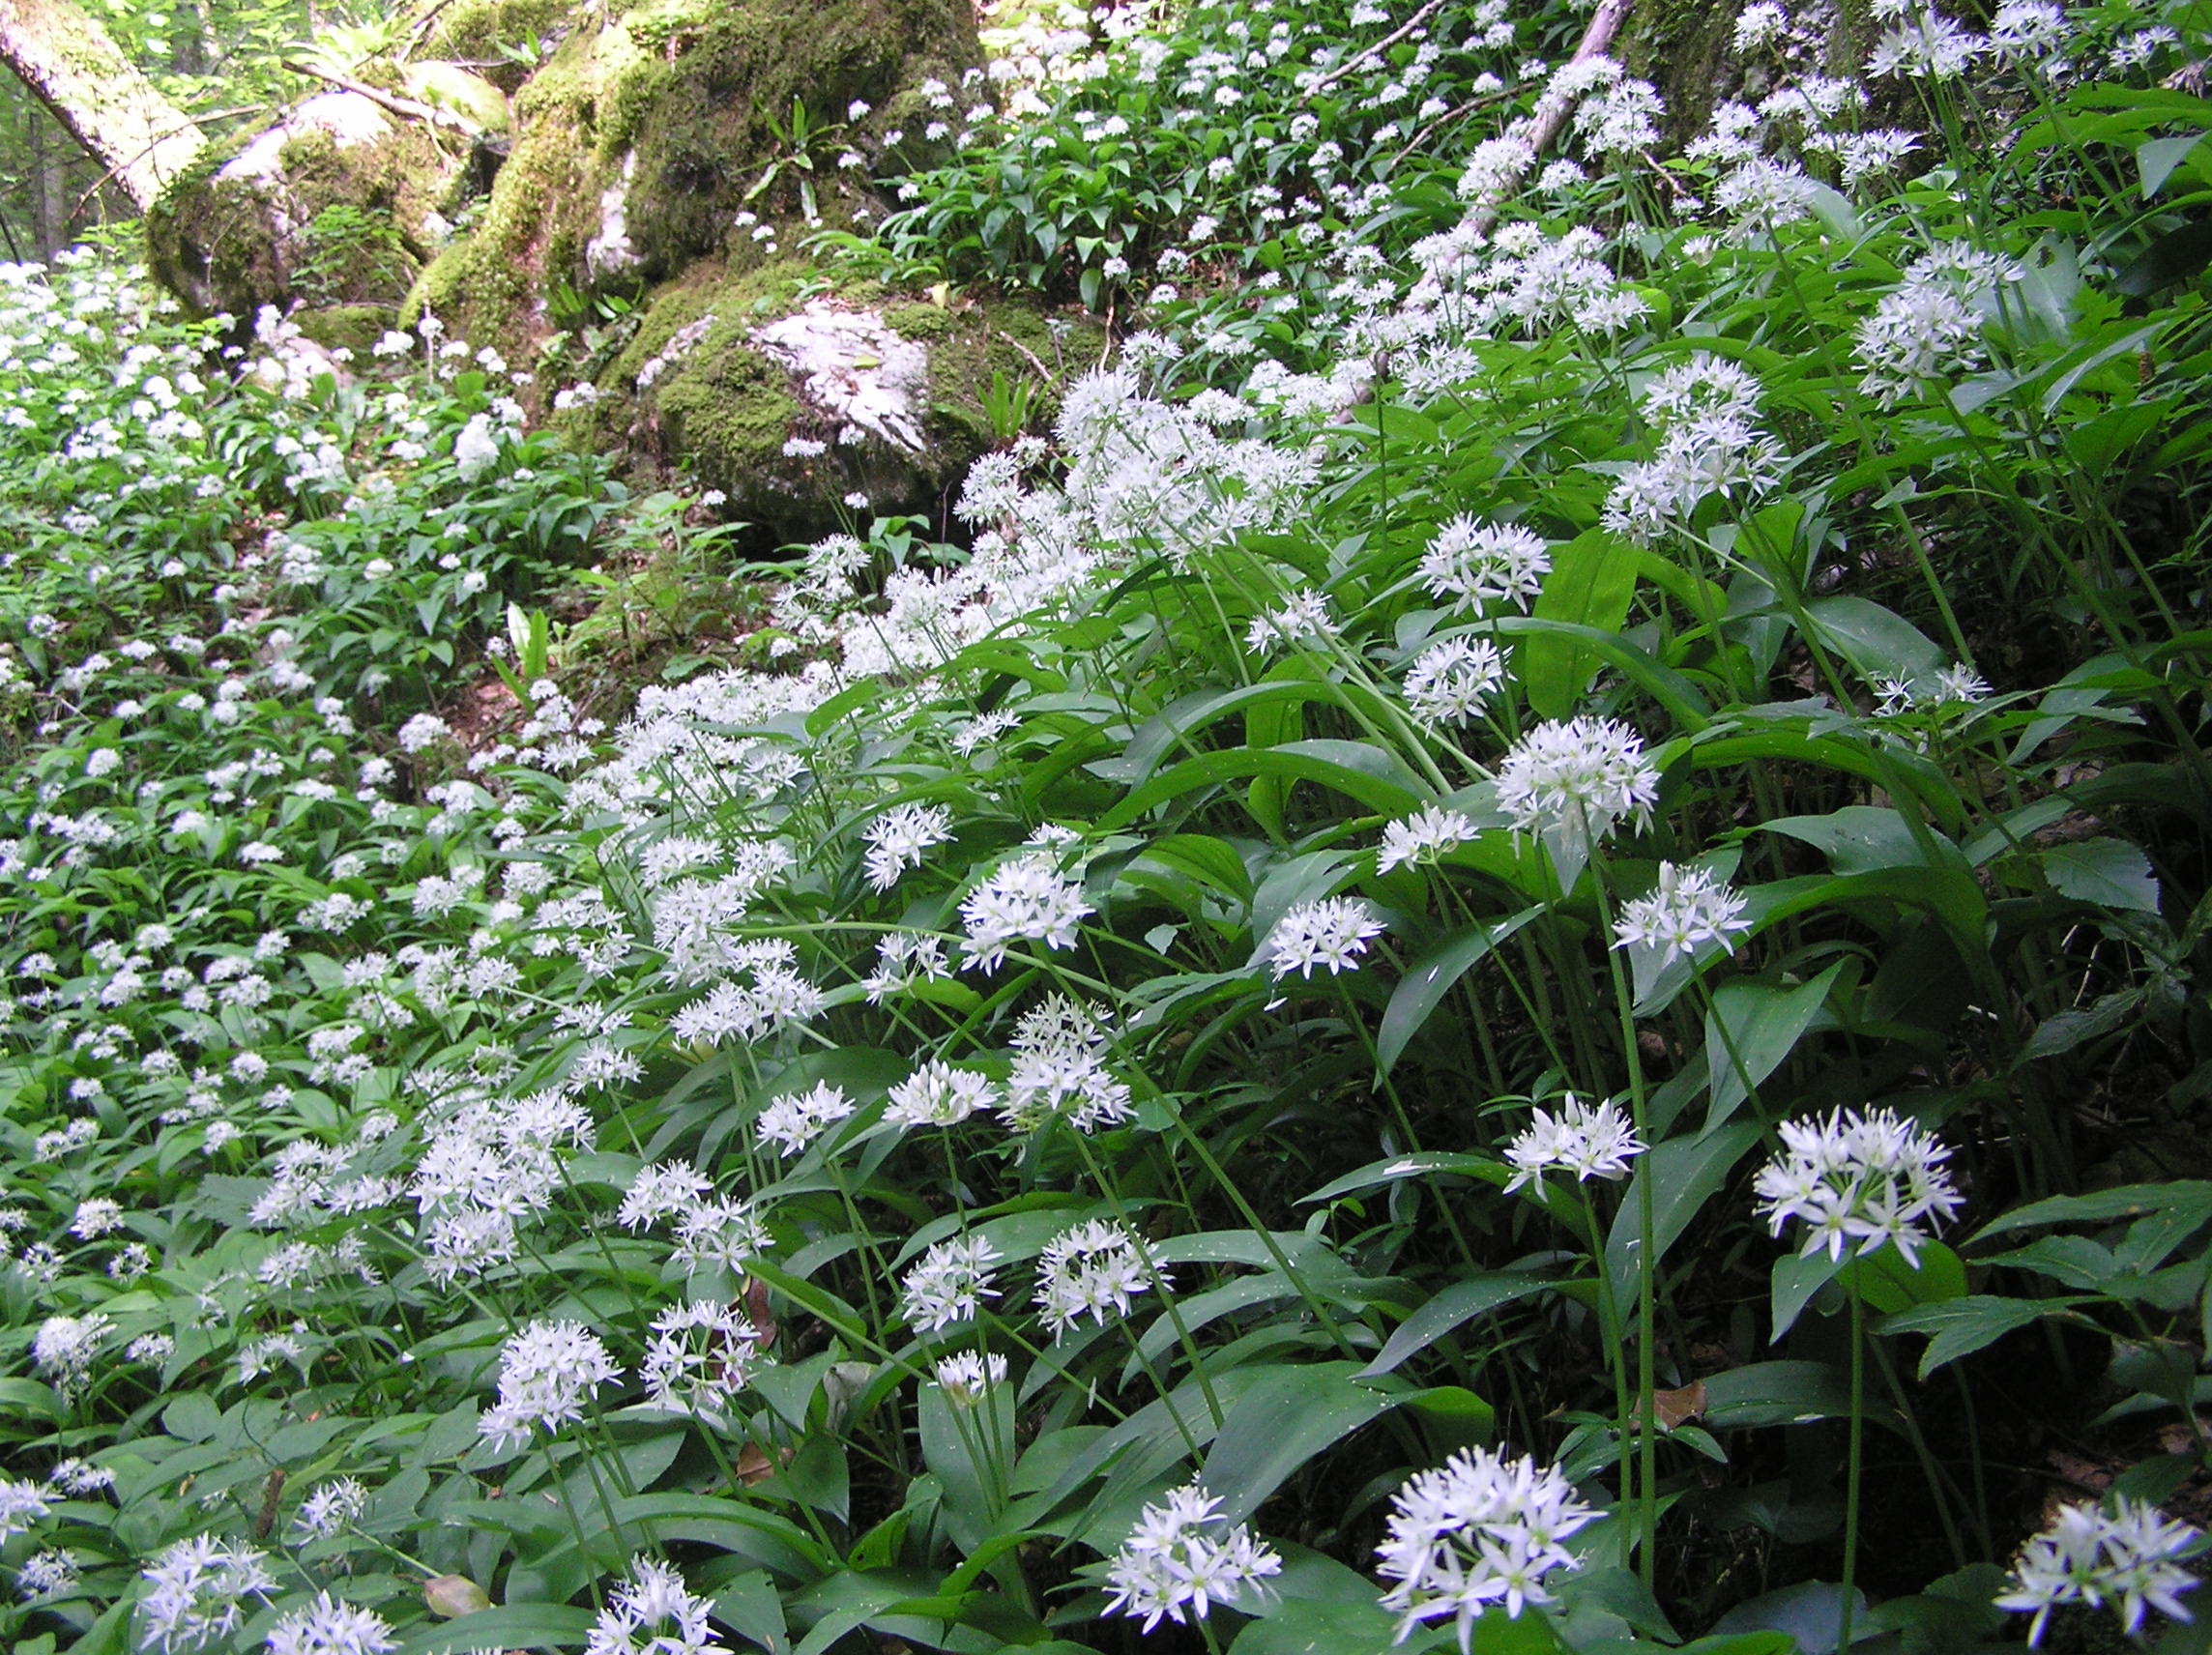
121, 118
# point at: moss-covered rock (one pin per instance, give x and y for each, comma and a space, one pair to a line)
788, 399
350, 327
1686, 49
665, 133
333, 200
493, 35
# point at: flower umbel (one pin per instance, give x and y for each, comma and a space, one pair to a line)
2129, 1558
1095, 1270
1858, 1179
652, 1613
1172, 1565
1588, 1143
1688, 908
547, 1373
1333, 932
1573, 781
1026, 898
197, 1592
948, 1284
330, 1626
1478, 1530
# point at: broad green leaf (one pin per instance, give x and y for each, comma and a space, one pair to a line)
1775, 1393
511, 1626
1591, 584
1487, 1168
1796, 1278
1369, 776
1684, 1173
2109, 873
1890, 1281
1810, 1614
1960, 1326
1878, 642
1750, 1032
1432, 977
1303, 1626
1282, 1422
1453, 1307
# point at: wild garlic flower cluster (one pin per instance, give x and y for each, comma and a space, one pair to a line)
1182, 1557
1571, 783
2128, 1556
1060, 1071
949, 1283
1472, 565
898, 839
968, 1377
330, 1626
1025, 899
1858, 1180
197, 1592
938, 1094
548, 1374
702, 1355
793, 1120
1689, 908
1333, 933
1431, 833
1702, 416
1478, 1531
1590, 1143
1303, 618
1929, 327
1093, 1270
652, 1612
1452, 682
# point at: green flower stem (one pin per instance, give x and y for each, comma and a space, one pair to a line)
1646, 1230
1857, 1429
1160, 1286
1609, 1323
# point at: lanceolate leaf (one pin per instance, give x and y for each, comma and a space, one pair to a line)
1961, 1327
1452, 1308
1684, 1173
1432, 977
1591, 584
1280, 1424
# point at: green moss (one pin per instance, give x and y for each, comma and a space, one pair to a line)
354, 327
923, 322
478, 28
988, 339
729, 416
675, 103
1681, 47
537, 216
237, 243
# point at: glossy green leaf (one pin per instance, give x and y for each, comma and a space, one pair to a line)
511, 1626
1685, 1173
1432, 976
1960, 1326
1454, 1307
1281, 1424
1750, 1032
1591, 584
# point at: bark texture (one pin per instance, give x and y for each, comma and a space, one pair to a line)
116, 113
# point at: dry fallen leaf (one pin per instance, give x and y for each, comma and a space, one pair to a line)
451, 1596
1680, 1407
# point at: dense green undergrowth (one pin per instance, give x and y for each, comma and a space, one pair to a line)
1531, 904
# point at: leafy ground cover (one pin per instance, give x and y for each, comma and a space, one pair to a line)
1507, 955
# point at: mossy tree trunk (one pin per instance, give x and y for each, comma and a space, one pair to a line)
97, 92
